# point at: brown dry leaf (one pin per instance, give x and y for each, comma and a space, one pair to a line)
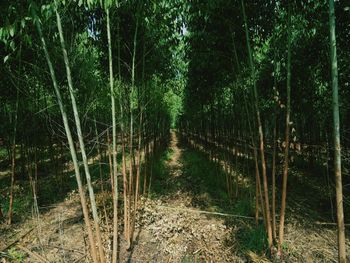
257, 259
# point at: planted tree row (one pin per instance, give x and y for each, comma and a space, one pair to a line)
260, 75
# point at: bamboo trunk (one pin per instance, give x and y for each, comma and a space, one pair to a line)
71, 146
260, 132
80, 138
286, 150
336, 127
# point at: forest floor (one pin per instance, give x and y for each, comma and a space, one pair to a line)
58, 235
176, 224
190, 218
186, 218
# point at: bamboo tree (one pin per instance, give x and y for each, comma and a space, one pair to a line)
114, 144
131, 181
260, 129
336, 128
99, 154
13, 162
286, 150
273, 175
274, 144
80, 138
122, 133
70, 143
140, 131
258, 191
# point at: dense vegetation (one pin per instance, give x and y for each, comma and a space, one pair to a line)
91, 90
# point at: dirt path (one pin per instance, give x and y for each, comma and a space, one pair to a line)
174, 163
172, 229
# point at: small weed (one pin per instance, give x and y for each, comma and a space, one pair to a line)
284, 246
169, 154
3, 153
16, 255
187, 259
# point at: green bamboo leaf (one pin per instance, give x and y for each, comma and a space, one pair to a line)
12, 30
12, 45
6, 58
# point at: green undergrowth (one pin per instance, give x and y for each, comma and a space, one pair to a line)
51, 189
188, 259
23, 195
16, 255
3, 153
252, 238
209, 178
206, 182
244, 207
160, 174
22, 201
205, 178
168, 154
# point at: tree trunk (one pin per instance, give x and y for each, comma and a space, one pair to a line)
99, 156
274, 179
80, 138
286, 150
132, 129
261, 134
258, 192
114, 145
13, 163
336, 127
71, 146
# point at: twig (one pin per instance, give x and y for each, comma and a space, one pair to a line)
67, 249
198, 250
77, 260
206, 212
16, 240
328, 223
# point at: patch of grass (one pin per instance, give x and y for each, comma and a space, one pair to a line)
3, 153
187, 259
160, 174
16, 255
206, 177
160, 170
252, 238
168, 154
285, 246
